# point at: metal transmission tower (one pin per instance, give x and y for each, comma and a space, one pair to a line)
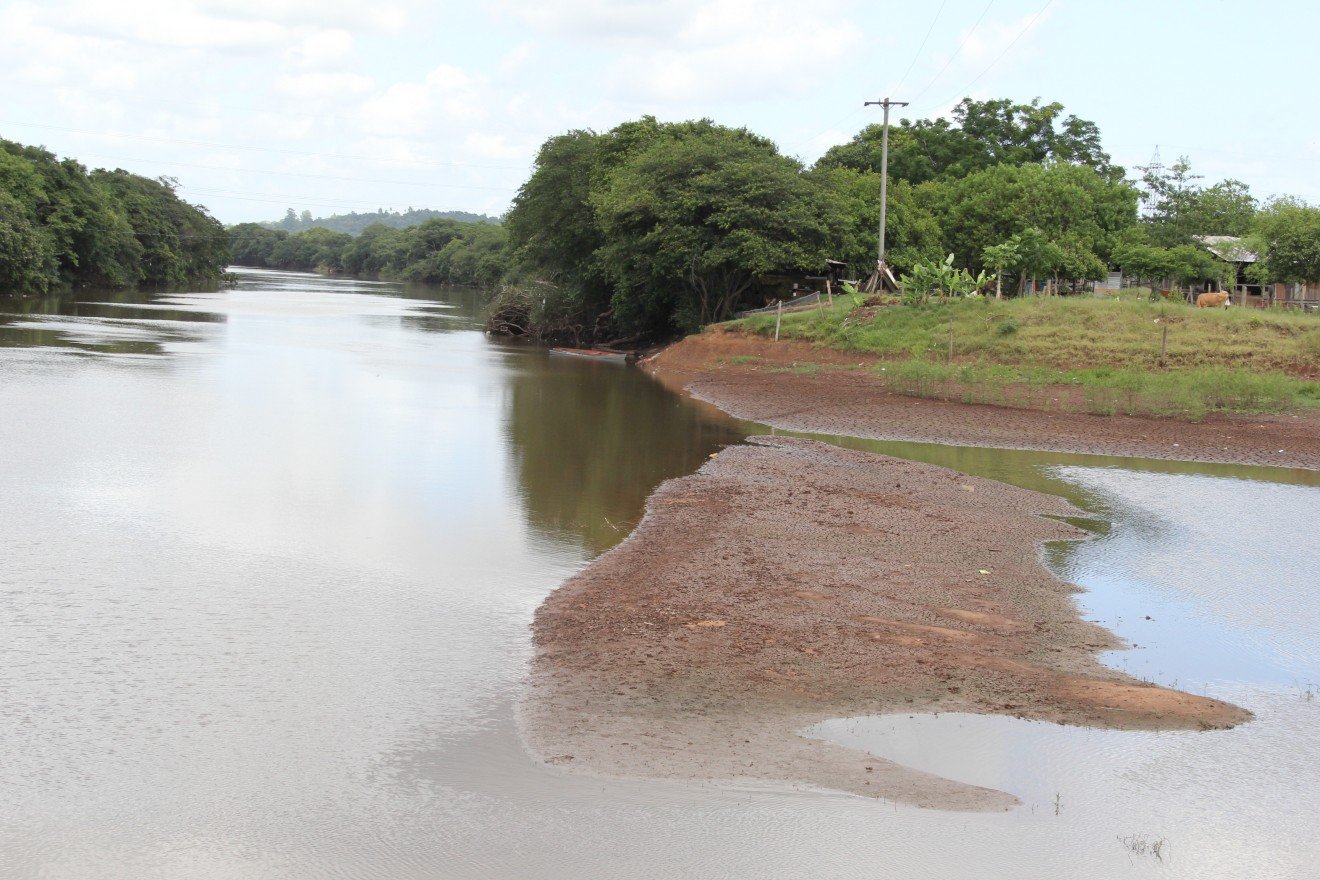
880, 269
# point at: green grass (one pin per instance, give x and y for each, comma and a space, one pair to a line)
1080, 353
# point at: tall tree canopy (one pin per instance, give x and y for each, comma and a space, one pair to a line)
1074, 208
60, 224
656, 227
1176, 208
980, 135
1287, 235
692, 220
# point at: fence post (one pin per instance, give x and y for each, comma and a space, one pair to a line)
779, 316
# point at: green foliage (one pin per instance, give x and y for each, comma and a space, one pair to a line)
940, 278
1287, 236
61, 225
981, 134
653, 227
355, 223
1177, 208
853, 199
1061, 218
1183, 264
692, 220
436, 250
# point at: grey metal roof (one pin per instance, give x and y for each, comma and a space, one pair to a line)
1228, 248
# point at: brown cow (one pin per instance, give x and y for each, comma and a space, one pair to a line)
1212, 300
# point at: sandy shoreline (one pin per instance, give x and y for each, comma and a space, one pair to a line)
788, 582
713, 367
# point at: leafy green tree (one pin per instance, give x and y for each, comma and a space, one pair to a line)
180, 242
853, 198
1287, 236
980, 135
27, 255
1184, 264
1074, 208
106, 228
552, 226
692, 220
252, 244
1227, 208
1003, 257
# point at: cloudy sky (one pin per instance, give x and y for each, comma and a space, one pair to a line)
331, 105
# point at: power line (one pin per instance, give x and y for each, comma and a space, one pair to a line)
1000, 57
286, 152
957, 52
924, 40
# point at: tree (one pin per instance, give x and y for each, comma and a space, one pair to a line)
1183, 264
1001, 258
982, 134
1073, 208
1227, 208
690, 221
27, 256
1287, 236
552, 226
64, 225
854, 208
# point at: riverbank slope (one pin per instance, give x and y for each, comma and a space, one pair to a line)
797, 386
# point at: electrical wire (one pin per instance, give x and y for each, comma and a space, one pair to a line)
338, 177
957, 52
1000, 57
915, 55
286, 152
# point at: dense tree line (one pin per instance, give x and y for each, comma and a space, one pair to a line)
355, 223
654, 228
438, 250
60, 224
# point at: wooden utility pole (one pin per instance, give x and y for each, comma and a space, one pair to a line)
884, 183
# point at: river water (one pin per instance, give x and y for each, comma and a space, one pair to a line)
269, 556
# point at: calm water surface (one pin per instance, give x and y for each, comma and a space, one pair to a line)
270, 554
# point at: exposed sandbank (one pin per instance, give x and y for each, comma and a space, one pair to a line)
788, 582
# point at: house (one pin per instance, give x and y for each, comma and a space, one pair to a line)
1232, 250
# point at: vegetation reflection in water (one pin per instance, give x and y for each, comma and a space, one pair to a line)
345, 654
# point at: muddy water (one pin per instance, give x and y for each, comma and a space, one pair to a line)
270, 555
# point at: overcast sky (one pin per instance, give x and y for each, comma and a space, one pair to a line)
338, 105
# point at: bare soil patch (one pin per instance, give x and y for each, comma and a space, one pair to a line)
788, 582
799, 387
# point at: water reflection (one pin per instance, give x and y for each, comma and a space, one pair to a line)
265, 600
589, 442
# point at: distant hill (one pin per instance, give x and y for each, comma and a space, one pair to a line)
354, 223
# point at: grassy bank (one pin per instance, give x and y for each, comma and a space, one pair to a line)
1074, 353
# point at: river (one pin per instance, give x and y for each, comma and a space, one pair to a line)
271, 554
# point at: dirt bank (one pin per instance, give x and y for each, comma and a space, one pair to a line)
788, 582
714, 366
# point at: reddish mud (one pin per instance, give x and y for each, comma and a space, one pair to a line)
788, 582
714, 366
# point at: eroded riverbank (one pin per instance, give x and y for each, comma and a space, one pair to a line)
753, 378
788, 582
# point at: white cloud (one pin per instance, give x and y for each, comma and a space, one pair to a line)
603, 21
680, 51
321, 86
986, 43
323, 49
447, 97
